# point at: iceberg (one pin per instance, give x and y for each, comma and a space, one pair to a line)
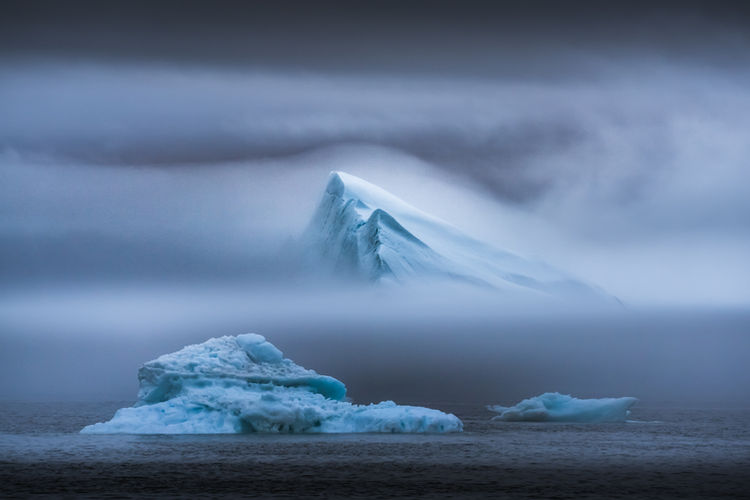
244, 384
360, 229
556, 407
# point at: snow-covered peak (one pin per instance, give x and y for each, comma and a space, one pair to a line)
363, 230
368, 197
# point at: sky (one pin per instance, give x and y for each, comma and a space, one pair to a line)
147, 148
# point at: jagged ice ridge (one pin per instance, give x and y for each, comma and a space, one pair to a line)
362, 230
244, 384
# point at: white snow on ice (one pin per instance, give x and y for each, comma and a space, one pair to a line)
359, 228
556, 407
244, 384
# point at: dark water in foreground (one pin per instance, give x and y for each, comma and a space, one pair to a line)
669, 453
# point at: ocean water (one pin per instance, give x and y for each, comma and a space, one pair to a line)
665, 452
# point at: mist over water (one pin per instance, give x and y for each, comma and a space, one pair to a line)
389, 343
153, 192
107, 264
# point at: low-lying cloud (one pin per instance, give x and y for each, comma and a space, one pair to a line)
166, 170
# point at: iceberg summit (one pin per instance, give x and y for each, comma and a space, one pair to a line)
244, 384
361, 230
556, 407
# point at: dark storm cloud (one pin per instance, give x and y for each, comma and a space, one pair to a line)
182, 97
162, 116
500, 160
517, 141
475, 37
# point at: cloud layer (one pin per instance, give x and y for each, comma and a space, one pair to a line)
600, 138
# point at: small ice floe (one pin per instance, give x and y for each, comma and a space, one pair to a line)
556, 407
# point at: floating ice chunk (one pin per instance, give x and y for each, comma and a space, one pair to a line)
556, 407
244, 384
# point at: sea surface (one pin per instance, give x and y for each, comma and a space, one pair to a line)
665, 452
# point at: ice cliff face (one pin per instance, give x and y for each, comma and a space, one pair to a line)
556, 407
354, 235
360, 229
244, 384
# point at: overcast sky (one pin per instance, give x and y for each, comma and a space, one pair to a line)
188, 140
158, 161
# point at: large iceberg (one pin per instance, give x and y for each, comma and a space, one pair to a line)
362, 230
244, 384
556, 407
